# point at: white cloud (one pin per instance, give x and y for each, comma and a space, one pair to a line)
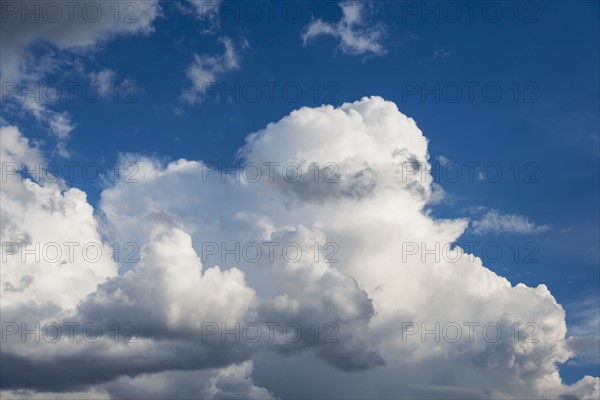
356, 36
206, 7
17, 148
80, 26
174, 296
442, 53
584, 331
443, 160
495, 222
104, 79
41, 213
206, 70
168, 294
61, 127
369, 213
59, 124
232, 382
59, 30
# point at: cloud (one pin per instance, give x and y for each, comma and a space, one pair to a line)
233, 382
442, 53
206, 70
206, 7
168, 295
40, 38
41, 213
104, 79
59, 124
79, 27
494, 222
356, 36
16, 148
230, 382
368, 212
61, 127
362, 282
175, 297
584, 331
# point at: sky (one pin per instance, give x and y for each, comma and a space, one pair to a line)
438, 129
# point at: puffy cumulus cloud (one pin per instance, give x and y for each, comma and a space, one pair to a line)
395, 307
356, 36
495, 222
44, 236
372, 209
312, 293
16, 148
168, 294
58, 275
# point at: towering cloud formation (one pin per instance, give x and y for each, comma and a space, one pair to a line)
378, 316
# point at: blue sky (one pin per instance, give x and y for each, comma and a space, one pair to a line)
543, 124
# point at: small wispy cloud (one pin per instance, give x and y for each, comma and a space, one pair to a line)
442, 53
356, 35
495, 222
206, 70
584, 331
